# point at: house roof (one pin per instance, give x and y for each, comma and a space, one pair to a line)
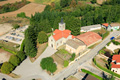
114, 65
116, 58
115, 24
105, 24
74, 44
59, 34
89, 37
89, 27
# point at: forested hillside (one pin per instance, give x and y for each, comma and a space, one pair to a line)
75, 15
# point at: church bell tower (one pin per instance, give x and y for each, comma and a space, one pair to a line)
61, 25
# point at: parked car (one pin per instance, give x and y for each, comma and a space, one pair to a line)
112, 38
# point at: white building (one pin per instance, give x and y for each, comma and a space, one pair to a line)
60, 36
115, 64
90, 28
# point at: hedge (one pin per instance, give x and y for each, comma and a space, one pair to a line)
22, 46
9, 50
86, 71
104, 69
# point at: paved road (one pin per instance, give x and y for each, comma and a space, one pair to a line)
72, 69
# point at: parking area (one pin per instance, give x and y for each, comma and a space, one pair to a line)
15, 36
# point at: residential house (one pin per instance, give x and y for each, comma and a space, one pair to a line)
89, 38
90, 28
112, 26
115, 64
60, 36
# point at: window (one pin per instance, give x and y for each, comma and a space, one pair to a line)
61, 41
57, 44
51, 40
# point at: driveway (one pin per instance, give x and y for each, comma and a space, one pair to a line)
28, 70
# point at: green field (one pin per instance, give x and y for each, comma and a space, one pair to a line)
46, 1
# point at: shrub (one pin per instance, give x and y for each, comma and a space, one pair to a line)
15, 26
105, 35
22, 46
47, 63
42, 37
22, 15
21, 55
108, 43
115, 42
101, 52
66, 63
7, 68
14, 60
72, 57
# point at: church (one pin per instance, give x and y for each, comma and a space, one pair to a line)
60, 36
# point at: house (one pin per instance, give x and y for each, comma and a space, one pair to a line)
115, 64
89, 38
112, 26
60, 36
106, 26
115, 26
90, 28
74, 46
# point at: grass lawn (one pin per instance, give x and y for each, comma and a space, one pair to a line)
88, 72
91, 47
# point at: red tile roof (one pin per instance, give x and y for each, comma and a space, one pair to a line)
116, 58
59, 34
115, 65
105, 24
89, 37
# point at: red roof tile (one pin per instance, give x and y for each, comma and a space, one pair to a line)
115, 65
106, 24
89, 37
59, 34
116, 58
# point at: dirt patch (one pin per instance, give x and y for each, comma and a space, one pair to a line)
71, 78
100, 1
29, 10
8, 1
13, 20
4, 28
4, 56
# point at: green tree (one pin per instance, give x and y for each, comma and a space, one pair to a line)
64, 3
15, 26
42, 37
93, 1
7, 68
66, 63
14, 60
48, 64
72, 57
21, 55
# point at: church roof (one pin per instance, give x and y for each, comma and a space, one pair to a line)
59, 34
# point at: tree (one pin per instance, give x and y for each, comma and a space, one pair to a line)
64, 3
42, 37
7, 68
66, 63
21, 55
14, 60
93, 1
48, 64
72, 57
15, 26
